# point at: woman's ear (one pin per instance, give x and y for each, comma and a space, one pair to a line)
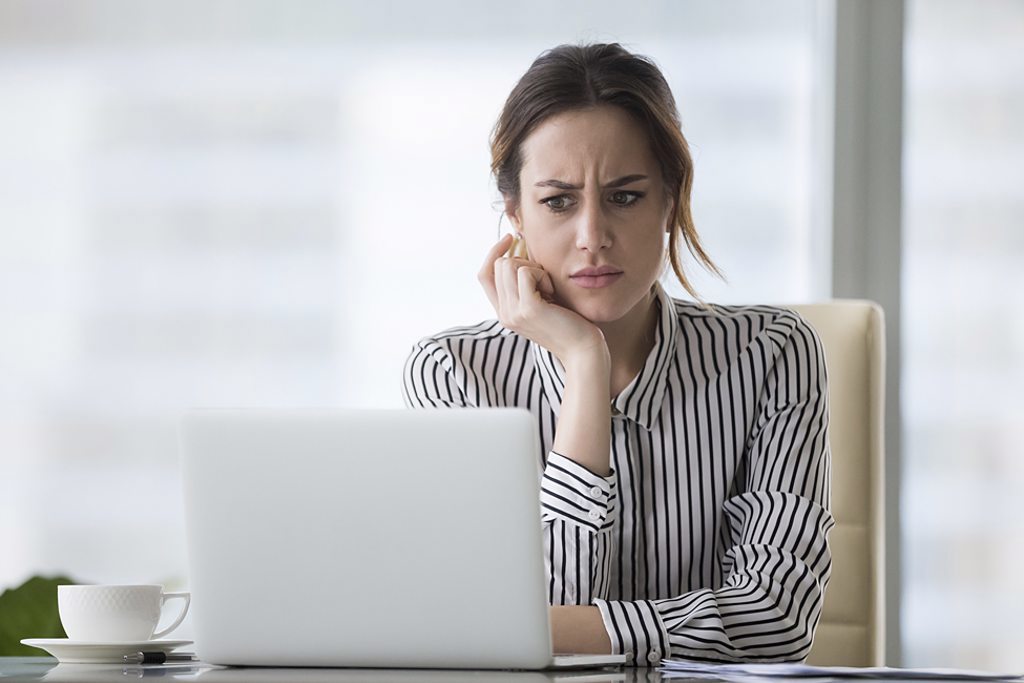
512, 211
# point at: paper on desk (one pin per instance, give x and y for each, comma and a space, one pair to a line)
804, 672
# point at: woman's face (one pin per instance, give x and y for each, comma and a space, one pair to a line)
592, 196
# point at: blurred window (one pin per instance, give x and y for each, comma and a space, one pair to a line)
963, 334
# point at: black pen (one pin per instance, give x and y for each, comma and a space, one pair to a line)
159, 657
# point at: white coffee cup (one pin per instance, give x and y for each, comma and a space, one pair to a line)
115, 613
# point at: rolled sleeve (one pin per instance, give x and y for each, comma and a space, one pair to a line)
572, 493
636, 630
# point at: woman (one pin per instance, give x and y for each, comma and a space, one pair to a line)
685, 492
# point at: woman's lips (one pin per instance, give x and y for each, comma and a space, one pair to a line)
595, 281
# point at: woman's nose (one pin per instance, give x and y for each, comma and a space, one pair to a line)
591, 230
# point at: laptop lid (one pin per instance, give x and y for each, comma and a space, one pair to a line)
362, 538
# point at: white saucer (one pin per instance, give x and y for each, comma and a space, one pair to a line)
85, 652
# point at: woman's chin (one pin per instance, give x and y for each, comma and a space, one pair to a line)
597, 312
606, 305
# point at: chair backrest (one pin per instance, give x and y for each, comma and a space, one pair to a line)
852, 627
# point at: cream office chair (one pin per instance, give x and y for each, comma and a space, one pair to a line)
852, 627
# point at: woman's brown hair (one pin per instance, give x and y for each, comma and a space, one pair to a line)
570, 77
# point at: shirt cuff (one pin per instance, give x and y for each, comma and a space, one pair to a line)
572, 493
635, 629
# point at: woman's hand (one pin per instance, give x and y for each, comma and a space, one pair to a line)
522, 294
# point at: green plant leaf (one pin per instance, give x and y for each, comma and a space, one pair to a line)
30, 611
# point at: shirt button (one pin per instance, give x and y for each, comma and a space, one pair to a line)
596, 491
654, 656
594, 514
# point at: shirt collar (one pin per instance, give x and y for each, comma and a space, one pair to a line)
642, 398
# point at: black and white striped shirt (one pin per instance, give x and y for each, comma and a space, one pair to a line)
709, 540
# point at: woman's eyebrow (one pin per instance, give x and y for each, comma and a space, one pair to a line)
618, 182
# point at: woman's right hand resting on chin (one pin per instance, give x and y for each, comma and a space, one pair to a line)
522, 293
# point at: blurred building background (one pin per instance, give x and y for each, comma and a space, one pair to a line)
266, 204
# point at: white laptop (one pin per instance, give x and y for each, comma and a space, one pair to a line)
368, 538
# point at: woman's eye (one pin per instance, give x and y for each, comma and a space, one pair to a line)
626, 197
556, 204
562, 202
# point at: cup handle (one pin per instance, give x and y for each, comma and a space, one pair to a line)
187, 597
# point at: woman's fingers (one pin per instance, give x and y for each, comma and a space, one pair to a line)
529, 281
486, 274
511, 281
546, 286
496, 252
508, 290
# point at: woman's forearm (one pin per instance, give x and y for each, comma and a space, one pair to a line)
583, 432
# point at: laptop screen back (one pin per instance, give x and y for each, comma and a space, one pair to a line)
365, 538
